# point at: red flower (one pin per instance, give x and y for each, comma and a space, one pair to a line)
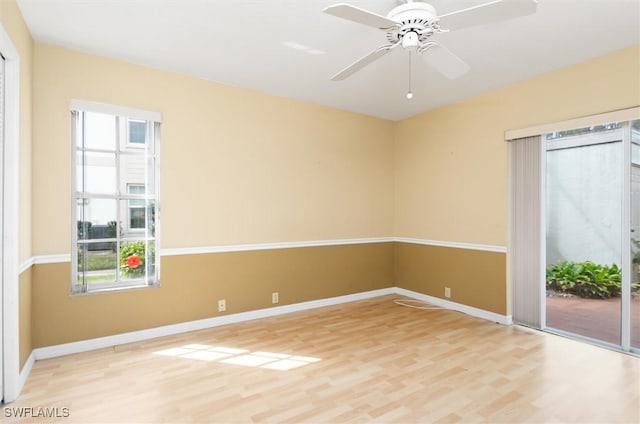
133, 261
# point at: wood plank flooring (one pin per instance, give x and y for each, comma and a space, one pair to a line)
366, 361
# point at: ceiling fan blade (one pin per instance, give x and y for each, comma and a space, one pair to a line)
361, 63
495, 11
445, 62
361, 16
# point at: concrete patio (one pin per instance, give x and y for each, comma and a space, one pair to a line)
595, 318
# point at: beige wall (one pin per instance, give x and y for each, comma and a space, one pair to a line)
237, 166
20, 36
476, 278
451, 163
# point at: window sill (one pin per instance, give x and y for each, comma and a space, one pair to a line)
118, 289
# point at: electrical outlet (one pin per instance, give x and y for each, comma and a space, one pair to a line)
447, 292
275, 297
222, 305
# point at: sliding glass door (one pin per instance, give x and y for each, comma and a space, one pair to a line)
592, 227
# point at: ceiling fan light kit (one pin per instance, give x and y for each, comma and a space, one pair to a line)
411, 25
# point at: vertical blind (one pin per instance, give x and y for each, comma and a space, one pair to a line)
525, 244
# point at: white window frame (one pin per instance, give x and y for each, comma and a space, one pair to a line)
123, 114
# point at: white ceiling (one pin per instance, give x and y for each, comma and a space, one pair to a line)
240, 43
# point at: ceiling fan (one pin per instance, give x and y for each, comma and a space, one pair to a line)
412, 24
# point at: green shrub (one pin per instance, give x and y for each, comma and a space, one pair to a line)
112, 229
585, 279
133, 258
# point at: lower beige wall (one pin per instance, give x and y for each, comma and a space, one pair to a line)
24, 317
477, 278
192, 285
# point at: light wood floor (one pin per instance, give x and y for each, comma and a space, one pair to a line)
367, 361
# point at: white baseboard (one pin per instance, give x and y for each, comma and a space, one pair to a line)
469, 310
24, 373
168, 330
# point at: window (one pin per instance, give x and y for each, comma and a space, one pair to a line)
115, 197
137, 131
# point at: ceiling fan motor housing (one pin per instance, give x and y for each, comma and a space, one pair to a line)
410, 40
413, 18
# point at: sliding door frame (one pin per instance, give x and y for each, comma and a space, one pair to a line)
10, 199
624, 115
624, 141
625, 325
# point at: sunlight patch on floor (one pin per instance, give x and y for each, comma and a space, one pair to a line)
233, 356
